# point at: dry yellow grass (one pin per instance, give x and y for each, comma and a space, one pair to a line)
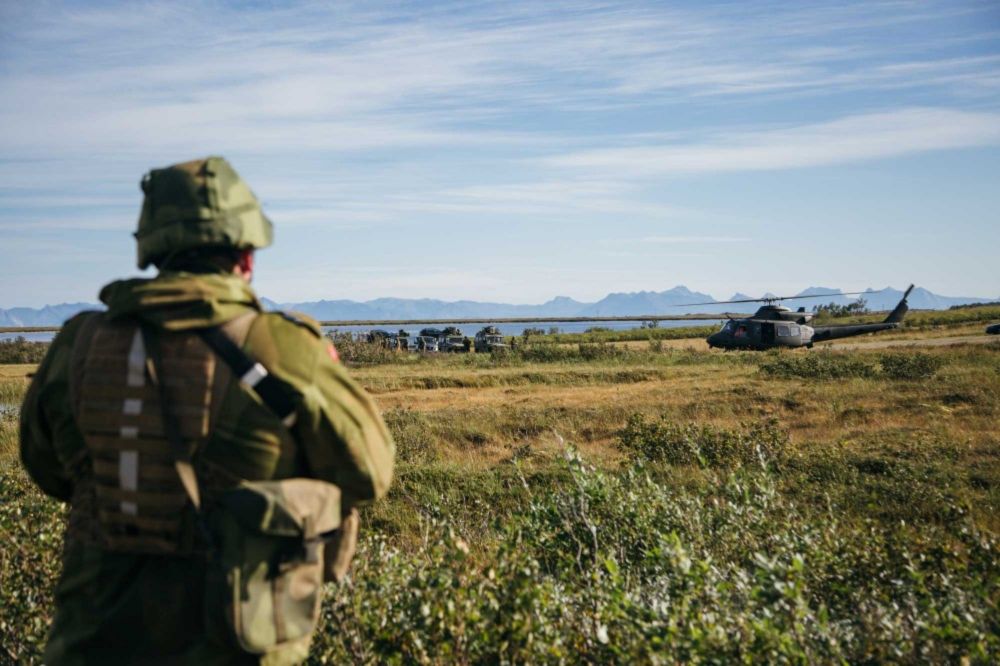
17, 371
958, 402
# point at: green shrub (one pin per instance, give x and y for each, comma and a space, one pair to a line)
824, 365
545, 353
355, 351
412, 433
909, 365
31, 533
704, 445
622, 568
817, 366
600, 350
20, 350
616, 568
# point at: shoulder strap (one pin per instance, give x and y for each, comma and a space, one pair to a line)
276, 393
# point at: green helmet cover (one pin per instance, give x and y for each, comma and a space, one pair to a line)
195, 204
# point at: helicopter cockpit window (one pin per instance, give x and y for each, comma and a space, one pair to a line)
794, 330
783, 332
728, 326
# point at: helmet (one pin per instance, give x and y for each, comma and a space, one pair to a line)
199, 203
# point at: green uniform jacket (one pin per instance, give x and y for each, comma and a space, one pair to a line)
129, 608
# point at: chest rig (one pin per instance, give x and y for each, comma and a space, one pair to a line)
144, 403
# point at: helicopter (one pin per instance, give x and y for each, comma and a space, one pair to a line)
774, 326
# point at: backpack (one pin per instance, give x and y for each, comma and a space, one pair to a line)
272, 544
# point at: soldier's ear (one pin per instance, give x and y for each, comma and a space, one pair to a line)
245, 264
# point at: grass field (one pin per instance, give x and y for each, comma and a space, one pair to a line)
619, 505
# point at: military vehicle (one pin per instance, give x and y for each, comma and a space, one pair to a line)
774, 326
489, 339
387, 339
449, 339
993, 329
426, 343
452, 340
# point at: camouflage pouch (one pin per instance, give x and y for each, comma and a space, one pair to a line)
267, 579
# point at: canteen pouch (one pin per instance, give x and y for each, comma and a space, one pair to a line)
267, 578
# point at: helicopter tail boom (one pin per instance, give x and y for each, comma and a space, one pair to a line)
894, 319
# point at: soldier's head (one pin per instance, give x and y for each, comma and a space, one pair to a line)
200, 216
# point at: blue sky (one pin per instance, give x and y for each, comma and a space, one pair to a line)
515, 151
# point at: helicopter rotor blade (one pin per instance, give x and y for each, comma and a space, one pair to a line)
778, 298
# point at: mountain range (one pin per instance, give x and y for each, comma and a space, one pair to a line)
671, 301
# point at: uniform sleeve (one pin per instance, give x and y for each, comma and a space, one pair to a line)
49, 391
346, 441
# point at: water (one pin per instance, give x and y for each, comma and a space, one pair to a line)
467, 329
518, 328
45, 336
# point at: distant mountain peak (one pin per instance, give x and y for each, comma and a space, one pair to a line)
670, 301
818, 291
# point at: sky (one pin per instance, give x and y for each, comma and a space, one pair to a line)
506, 151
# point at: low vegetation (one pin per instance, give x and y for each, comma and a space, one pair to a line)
834, 365
591, 503
20, 350
922, 319
761, 444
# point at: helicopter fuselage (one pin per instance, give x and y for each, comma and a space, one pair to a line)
759, 334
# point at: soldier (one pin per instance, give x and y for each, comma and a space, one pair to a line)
142, 419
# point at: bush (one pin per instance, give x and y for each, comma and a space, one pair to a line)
622, 568
910, 365
600, 350
663, 440
355, 351
616, 567
412, 434
817, 366
20, 350
545, 353
896, 365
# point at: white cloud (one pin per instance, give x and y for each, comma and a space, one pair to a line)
849, 139
311, 78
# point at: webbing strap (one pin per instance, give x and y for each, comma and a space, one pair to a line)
274, 392
171, 425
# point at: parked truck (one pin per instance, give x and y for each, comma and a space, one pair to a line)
489, 339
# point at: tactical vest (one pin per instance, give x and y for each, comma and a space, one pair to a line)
139, 504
